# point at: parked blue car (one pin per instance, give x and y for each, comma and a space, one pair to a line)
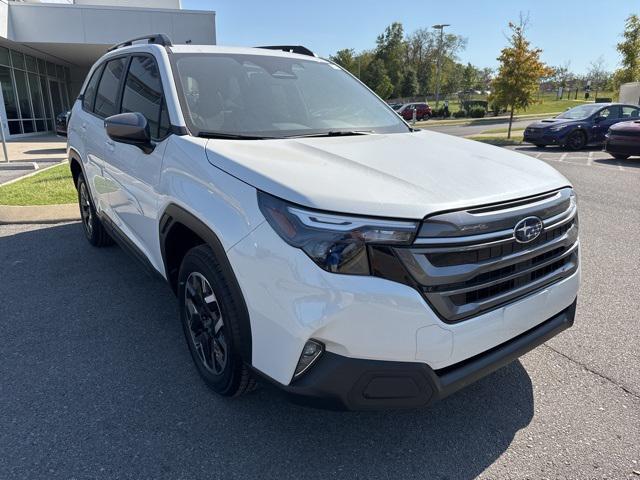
580, 126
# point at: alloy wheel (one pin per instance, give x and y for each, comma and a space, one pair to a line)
206, 324
85, 209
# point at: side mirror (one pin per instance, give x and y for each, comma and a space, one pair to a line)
599, 119
130, 128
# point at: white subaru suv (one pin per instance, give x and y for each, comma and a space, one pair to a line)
312, 237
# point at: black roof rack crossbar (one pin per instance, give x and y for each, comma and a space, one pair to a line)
156, 38
291, 49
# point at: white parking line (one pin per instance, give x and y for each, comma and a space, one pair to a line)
562, 157
590, 158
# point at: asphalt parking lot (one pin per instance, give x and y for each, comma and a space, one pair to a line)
96, 379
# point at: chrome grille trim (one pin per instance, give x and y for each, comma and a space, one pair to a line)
466, 275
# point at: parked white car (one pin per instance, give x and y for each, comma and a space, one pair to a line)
312, 237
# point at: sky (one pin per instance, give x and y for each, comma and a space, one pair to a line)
575, 31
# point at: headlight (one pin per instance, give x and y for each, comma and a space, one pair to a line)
557, 128
337, 243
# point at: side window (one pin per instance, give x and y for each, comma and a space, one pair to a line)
89, 96
108, 89
606, 113
629, 112
143, 94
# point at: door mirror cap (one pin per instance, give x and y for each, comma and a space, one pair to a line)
599, 119
130, 128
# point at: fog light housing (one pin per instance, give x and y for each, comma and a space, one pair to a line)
310, 353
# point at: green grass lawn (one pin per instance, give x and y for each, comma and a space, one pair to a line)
50, 187
500, 141
502, 130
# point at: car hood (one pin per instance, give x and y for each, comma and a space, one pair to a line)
547, 122
402, 175
632, 126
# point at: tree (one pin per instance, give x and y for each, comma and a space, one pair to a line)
346, 58
629, 48
519, 73
469, 78
409, 83
390, 50
377, 79
597, 74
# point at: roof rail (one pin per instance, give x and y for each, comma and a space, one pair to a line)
156, 39
299, 49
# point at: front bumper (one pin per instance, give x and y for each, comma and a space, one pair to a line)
343, 383
544, 138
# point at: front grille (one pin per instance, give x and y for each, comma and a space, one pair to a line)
464, 275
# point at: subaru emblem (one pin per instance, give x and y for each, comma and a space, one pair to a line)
528, 229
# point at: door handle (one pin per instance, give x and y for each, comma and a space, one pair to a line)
83, 126
111, 145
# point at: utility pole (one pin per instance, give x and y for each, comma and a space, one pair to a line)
440, 27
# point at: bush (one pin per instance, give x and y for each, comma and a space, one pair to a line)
439, 113
469, 105
496, 109
477, 112
459, 114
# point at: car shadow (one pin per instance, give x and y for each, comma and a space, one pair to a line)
631, 162
97, 378
47, 151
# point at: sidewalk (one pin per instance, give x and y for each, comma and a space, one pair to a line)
475, 121
28, 155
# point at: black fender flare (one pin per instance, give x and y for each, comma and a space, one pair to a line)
74, 156
175, 214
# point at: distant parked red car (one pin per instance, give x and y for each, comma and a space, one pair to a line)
623, 140
423, 111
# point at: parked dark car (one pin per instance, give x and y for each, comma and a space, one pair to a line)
580, 126
623, 140
62, 119
423, 111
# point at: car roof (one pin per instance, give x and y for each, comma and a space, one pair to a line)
179, 49
222, 49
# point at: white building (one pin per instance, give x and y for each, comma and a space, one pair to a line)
47, 47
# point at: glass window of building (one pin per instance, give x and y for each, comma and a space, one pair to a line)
4, 57
17, 59
31, 63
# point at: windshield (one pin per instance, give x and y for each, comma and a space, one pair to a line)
578, 113
268, 96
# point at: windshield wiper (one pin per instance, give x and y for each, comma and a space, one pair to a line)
232, 136
333, 133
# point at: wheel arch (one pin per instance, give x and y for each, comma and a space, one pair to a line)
180, 231
75, 165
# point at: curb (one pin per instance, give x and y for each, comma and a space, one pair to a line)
36, 170
10, 214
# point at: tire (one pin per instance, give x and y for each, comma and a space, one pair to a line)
91, 224
540, 145
211, 319
619, 156
577, 140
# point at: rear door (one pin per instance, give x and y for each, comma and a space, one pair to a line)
83, 121
134, 174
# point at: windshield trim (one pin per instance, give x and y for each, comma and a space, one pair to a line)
197, 132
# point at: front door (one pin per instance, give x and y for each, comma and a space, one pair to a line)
603, 120
134, 174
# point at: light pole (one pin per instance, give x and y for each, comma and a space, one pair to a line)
440, 27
